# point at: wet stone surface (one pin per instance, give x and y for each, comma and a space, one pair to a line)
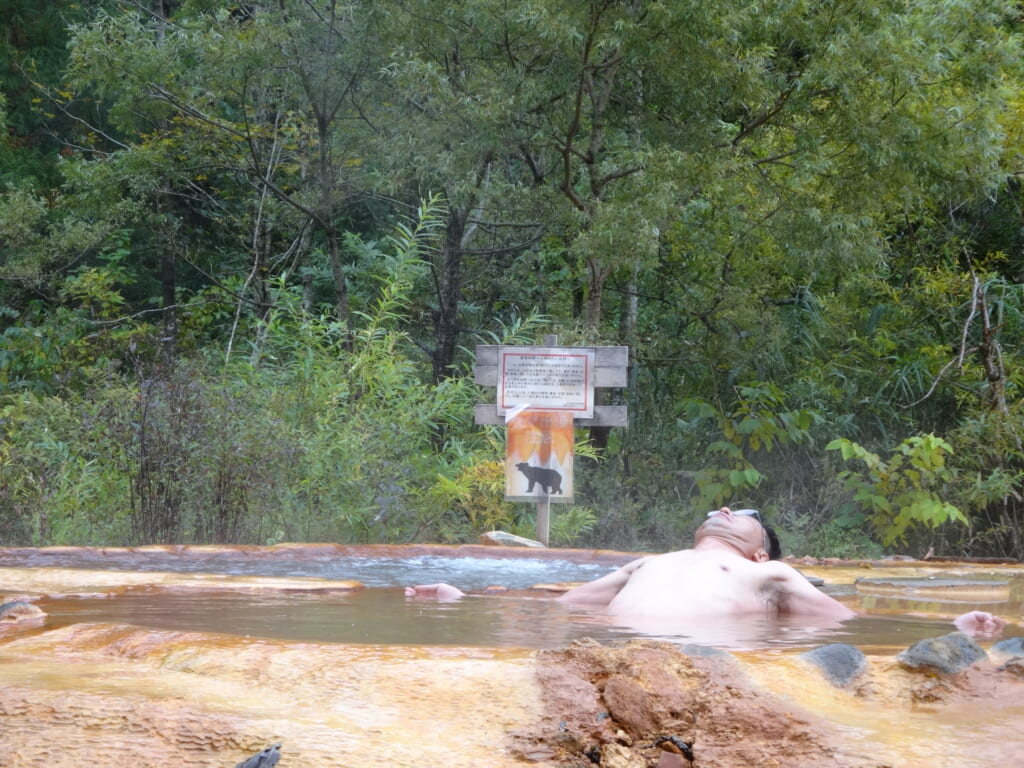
1012, 646
265, 758
20, 610
841, 664
936, 587
948, 654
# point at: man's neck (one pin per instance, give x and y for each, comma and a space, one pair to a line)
711, 543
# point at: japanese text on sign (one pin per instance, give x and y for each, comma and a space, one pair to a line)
552, 379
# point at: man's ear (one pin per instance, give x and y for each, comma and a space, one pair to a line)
761, 556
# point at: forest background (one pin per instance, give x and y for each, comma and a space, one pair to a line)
247, 250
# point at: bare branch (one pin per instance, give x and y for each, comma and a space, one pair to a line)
967, 323
935, 384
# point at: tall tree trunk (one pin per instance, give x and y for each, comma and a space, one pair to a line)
168, 256
628, 317
597, 274
169, 301
448, 276
991, 354
167, 274
338, 273
596, 277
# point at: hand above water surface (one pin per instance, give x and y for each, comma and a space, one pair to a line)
436, 591
979, 624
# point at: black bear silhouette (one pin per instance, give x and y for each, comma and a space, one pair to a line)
549, 479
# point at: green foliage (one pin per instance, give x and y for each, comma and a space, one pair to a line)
758, 423
806, 229
33, 52
990, 465
56, 486
904, 492
314, 437
474, 502
374, 436
31, 351
570, 527
844, 537
62, 346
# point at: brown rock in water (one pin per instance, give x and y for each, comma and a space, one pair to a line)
1015, 667
672, 760
636, 709
619, 756
655, 693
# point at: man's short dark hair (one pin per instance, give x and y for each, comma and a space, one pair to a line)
774, 547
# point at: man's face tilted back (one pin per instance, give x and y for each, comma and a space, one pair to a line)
743, 532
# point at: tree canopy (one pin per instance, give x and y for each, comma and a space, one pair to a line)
246, 251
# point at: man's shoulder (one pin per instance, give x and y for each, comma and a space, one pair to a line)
779, 570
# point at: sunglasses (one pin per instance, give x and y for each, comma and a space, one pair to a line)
749, 513
746, 512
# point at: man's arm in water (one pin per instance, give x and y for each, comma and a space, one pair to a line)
441, 592
602, 591
595, 593
979, 624
800, 597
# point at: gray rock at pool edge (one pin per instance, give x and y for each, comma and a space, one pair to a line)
841, 663
948, 654
20, 610
503, 539
266, 758
1011, 646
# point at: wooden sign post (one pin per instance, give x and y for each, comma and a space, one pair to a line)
538, 390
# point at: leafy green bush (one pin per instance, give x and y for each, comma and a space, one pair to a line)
321, 432
570, 526
56, 486
989, 462
905, 492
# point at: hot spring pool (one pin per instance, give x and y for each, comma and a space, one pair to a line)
202, 656
382, 615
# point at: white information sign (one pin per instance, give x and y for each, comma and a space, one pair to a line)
549, 378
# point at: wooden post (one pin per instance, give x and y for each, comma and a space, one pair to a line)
543, 521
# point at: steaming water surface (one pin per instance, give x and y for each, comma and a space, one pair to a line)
383, 571
382, 615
